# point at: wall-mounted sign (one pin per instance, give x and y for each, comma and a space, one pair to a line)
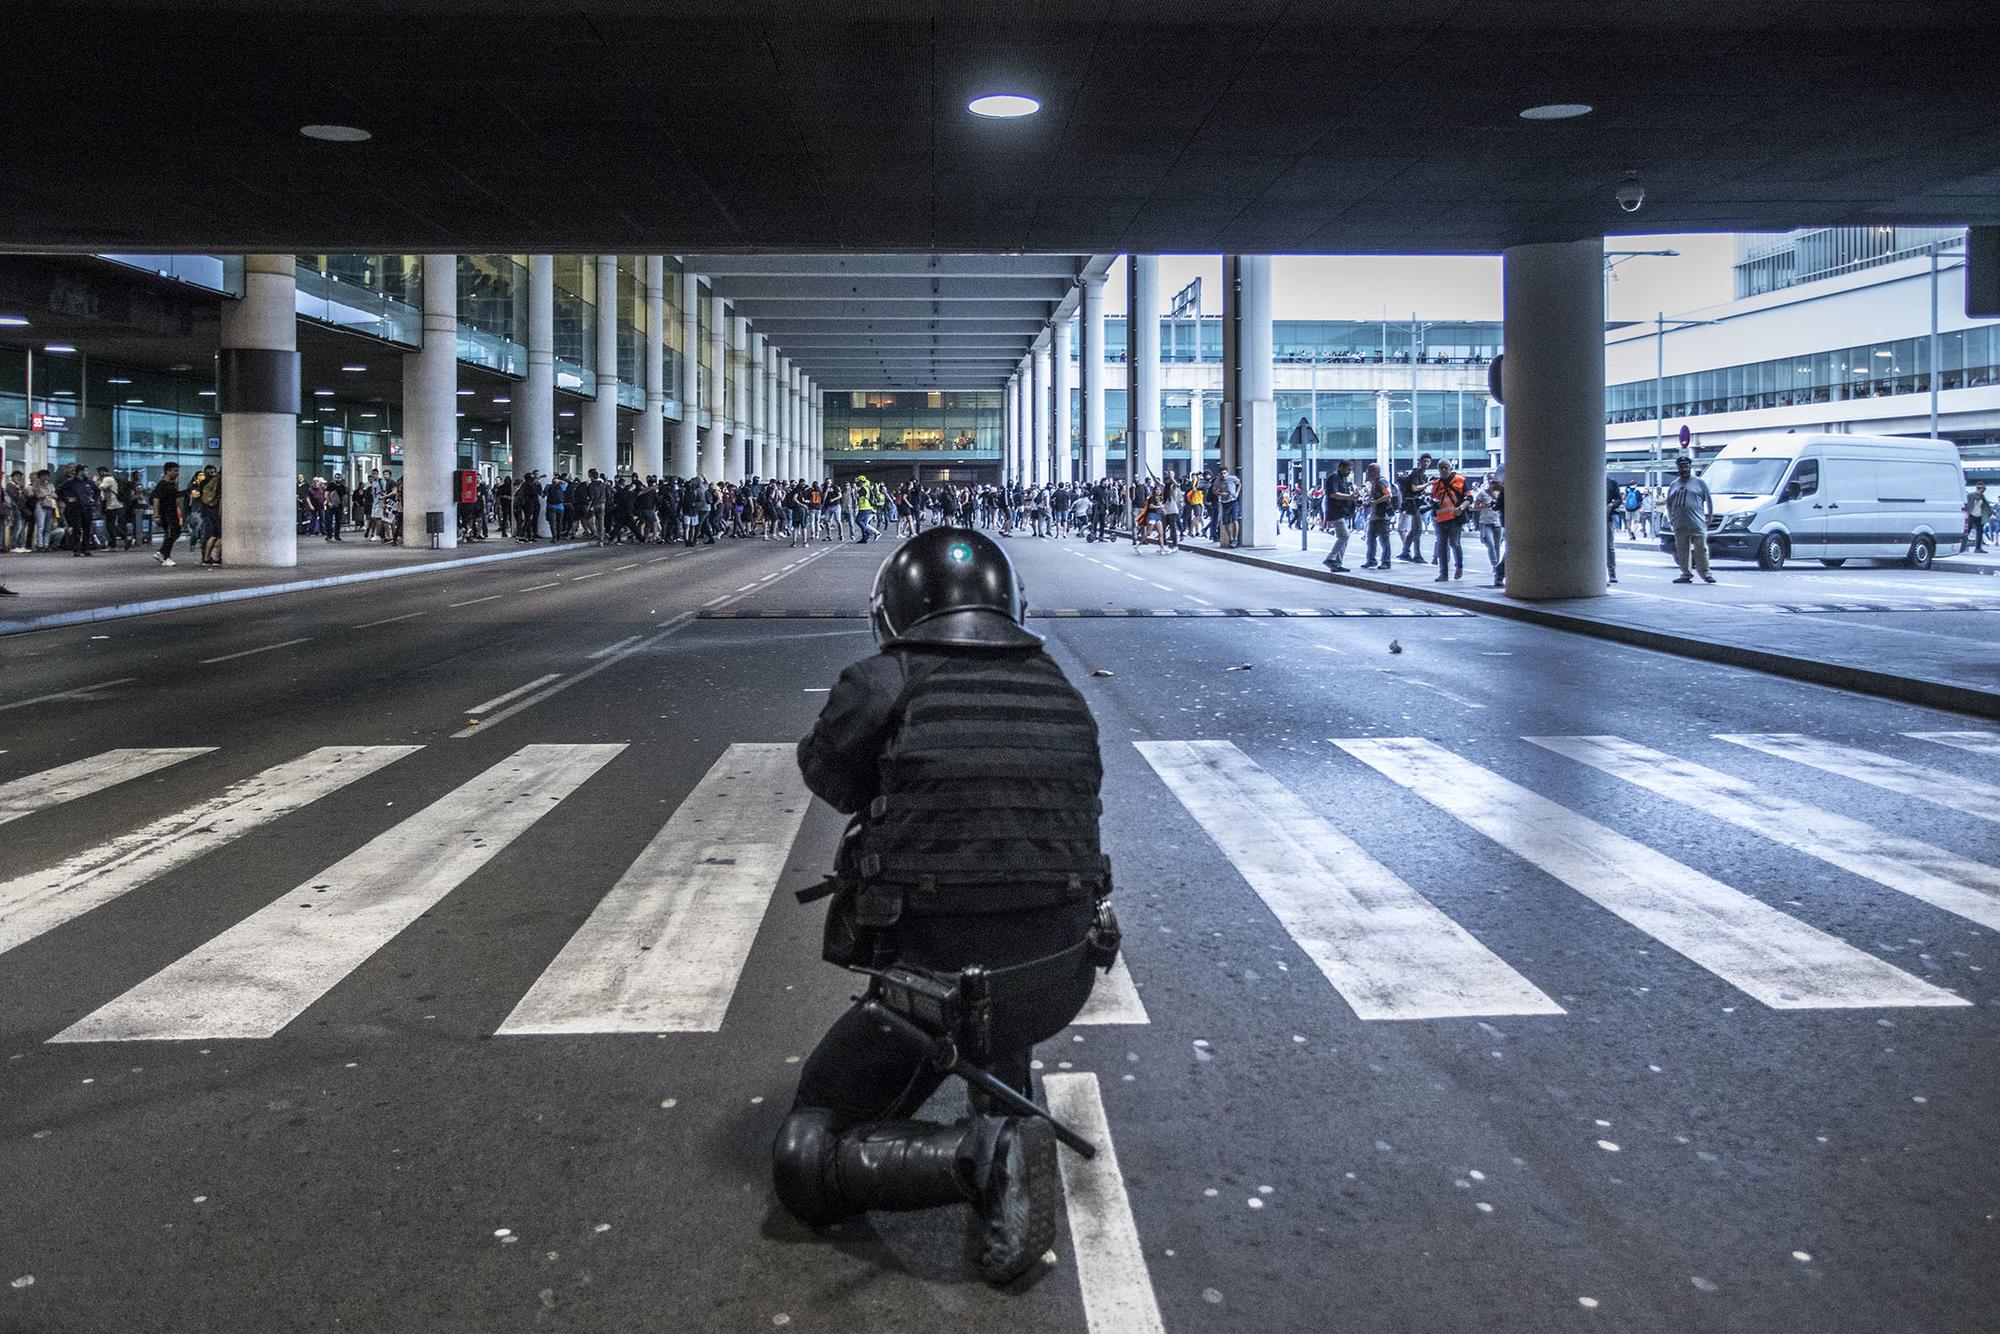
50, 422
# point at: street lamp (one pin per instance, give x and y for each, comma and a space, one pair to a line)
1613, 258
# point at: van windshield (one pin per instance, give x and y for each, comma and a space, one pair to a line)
1744, 477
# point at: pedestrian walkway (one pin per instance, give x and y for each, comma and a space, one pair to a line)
666, 946
1928, 637
56, 588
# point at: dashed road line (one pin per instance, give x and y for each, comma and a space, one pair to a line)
388, 620
609, 649
513, 694
267, 648
68, 694
490, 597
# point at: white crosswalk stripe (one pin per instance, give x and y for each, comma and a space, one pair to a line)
1979, 743
664, 949
1922, 870
1957, 791
256, 977
40, 901
1775, 958
1388, 951
1110, 1261
1115, 998
67, 782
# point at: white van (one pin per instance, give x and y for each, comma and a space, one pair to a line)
1835, 498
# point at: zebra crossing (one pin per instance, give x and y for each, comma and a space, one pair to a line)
666, 946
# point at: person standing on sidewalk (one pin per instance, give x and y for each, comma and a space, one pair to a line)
1339, 505
79, 498
1414, 485
1614, 514
1688, 508
1381, 505
1448, 511
1486, 506
1978, 513
167, 511
1231, 490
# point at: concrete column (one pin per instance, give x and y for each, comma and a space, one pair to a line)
1059, 373
1250, 415
1091, 367
649, 439
736, 451
430, 408
795, 409
1553, 378
781, 414
600, 414
815, 420
259, 400
534, 405
687, 432
715, 446
1197, 441
1044, 411
1017, 457
1144, 446
757, 453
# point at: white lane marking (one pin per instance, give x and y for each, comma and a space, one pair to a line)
1115, 999
1777, 959
1388, 951
1129, 575
616, 569
1978, 742
1922, 870
67, 782
1453, 696
387, 620
68, 694
662, 952
746, 588
657, 559
1203, 601
1162, 587
249, 652
579, 578
666, 631
513, 694
610, 649
1110, 1263
1956, 791
43, 900
452, 606
262, 973
536, 588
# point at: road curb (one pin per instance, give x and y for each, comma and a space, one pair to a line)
119, 611
1815, 671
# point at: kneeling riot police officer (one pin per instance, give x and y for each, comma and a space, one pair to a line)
970, 885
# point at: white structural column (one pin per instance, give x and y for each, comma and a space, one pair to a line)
714, 446
757, 452
1197, 438
600, 414
1017, 457
773, 428
649, 437
781, 407
1249, 412
687, 432
736, 452
815, 423
1060, 421
534, 438
1143, 452
430, 408
795, 406
1090, 365
1552, 381
1042, 433
259, 398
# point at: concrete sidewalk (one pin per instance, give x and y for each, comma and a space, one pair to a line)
1969, 562
57, 588
1941, 671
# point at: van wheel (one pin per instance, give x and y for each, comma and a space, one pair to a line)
1771, 555
1833, 564
1921, 551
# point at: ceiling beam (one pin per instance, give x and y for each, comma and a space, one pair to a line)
766, 313
1065, 267
783, 328
1041, 291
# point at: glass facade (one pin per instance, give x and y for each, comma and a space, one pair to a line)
1329, 342
670, 336
704, 350
939, 426
121, 417
631, 310
1768, 263
218, 273
1967, 359
378, 295
493, 312
576, 324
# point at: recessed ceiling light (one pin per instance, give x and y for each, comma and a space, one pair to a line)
566, 414
133, 402
204, 393
13, 322
1557, 111
466, 393
371, 414
502, 398
59, 349
117, 379
1003, 106
461, 414
353, 366
322, 393
335, 134
63, 393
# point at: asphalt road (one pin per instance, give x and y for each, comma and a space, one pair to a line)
1428, 1026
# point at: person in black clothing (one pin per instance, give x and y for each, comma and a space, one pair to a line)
78, 497
167, 511
1415, 487
971, 769
1614, 506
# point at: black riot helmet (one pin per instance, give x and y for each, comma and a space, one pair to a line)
952, 587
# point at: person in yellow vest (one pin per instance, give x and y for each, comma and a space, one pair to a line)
1448, 513
864, 508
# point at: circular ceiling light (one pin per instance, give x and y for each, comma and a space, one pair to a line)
335, 134
1557, 111
1003, 106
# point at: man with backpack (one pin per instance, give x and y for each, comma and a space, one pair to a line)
1339, 506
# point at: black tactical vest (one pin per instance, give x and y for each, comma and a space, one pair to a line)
989, 796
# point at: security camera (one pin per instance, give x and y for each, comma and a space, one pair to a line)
1631, 193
